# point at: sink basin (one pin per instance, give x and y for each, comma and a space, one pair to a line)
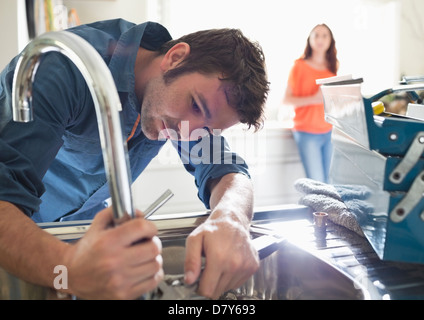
290, 273
287, 271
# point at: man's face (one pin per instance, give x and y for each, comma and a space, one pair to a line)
188, 103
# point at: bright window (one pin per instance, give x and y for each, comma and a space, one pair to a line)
366, 34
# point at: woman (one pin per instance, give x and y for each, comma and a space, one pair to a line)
311, 132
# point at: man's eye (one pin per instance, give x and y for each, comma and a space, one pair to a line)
196, 107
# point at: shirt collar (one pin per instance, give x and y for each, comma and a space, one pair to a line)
149, 35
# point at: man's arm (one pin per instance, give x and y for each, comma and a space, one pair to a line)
26, 250
224, 238
104, 264
233, 193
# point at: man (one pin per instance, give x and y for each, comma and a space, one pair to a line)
52, 168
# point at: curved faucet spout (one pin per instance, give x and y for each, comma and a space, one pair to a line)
106, 102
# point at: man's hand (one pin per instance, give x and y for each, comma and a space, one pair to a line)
112, 262
230, 256
224, 239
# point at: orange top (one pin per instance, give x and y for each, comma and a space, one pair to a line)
302, 83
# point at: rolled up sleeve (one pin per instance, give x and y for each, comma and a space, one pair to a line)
207, 159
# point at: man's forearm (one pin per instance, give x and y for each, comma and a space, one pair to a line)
223, 239
233, 194
27, 251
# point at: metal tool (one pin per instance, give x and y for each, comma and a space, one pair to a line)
172, 287
410, 200
168, 194
79, 230
409, 160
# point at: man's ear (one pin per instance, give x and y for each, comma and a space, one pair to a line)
174, 56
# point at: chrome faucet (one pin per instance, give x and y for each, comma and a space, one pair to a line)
106, 102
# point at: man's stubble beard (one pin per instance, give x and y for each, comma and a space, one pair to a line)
151, 100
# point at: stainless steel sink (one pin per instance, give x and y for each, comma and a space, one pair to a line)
286, 272
296, 268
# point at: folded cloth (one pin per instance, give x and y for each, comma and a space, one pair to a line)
344, 204
307, 186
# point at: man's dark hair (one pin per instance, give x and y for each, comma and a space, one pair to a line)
240, 61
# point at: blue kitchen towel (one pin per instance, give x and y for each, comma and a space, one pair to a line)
345, 205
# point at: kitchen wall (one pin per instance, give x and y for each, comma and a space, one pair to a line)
93, 10
411, 38
13, 26
402, 21
13, 29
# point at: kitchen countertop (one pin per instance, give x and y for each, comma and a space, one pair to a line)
353, 255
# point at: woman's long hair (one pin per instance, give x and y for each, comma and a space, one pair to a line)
331, 55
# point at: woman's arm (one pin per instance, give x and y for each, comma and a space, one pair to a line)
296, 101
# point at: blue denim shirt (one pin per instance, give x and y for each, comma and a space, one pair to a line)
52, 168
